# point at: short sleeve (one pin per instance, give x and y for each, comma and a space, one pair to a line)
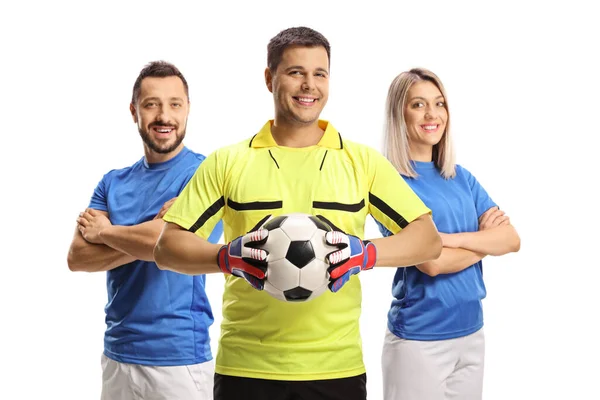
99, 197
199, 207
482, 200
392, 202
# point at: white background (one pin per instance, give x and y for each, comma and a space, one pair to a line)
524, 95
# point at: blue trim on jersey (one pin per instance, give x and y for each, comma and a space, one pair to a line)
446, 306
153, 317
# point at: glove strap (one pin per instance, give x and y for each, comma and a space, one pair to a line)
222, 261
370, 255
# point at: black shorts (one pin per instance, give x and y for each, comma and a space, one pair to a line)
236, 388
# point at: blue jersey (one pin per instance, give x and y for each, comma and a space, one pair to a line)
446, 306
153, 317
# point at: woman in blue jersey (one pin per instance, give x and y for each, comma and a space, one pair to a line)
434, 346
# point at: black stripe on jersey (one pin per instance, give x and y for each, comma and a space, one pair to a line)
341, 143
321, 167
254, 205
330, 205
206, 215
251, 140
388, 211
271, 154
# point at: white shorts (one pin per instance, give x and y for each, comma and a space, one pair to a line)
433, 370
122, 381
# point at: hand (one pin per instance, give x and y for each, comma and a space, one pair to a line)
354, 255
241, 258
90, 223
165, 208
492, 218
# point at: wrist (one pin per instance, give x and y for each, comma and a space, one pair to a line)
222, 261
370, 254
459, 240
105, 233
451, 240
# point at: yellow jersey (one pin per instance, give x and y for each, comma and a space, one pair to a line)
262, 337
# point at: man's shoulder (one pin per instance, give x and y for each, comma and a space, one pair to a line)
234, 150
191, 159
195, 155
360, 152
124, 170
356, 146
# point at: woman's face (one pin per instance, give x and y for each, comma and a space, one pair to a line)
425, 114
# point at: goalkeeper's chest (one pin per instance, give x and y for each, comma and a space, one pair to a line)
314, 183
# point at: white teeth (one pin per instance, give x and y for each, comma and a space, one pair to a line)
304, 100
430, 127
164, 130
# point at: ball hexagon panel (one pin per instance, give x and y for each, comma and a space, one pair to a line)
283, 275
314, 275
298, 227
277, 245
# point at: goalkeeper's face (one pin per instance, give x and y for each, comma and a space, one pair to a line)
300, 85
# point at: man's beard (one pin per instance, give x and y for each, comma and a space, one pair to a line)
156, 147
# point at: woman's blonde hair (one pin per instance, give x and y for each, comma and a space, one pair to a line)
396, 147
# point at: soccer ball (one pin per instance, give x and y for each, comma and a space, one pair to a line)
296, 268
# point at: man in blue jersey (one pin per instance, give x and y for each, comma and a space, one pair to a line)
156, 343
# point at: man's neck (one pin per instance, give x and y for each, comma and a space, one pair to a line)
296, 135
153, 157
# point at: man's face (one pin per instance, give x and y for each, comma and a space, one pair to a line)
300, 85
161, 113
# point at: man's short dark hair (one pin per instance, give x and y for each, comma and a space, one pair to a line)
157, 69
299, 36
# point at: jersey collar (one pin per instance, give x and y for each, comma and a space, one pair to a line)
331, 138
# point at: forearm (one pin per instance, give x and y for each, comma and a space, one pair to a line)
182, 251
417, 243
450, 261
137, 240
89, 257
495, 241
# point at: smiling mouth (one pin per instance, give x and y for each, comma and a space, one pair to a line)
163, 131
305, 101
430, 127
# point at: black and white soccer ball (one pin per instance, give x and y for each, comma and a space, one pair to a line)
296, 268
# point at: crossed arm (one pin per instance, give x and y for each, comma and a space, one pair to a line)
496, 236
98, 245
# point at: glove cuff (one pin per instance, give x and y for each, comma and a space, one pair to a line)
222, 260
370, 254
